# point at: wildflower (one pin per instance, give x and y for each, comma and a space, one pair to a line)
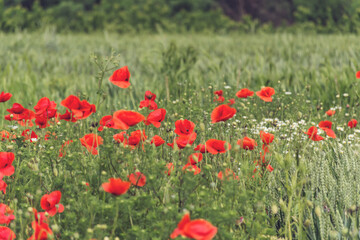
222, 113
266, 138
201, 148
3, 186
106, 121
198, 229
45, 108
244, 93
195, 158
220, 98
231, 102
215, 146
352, 123
51, 203
4, 97
6, 233
121, 77
330, 112
156, 117
184, 127
91, 142
41, 231
116, 186
358, 75
6, 215
184, 140
80, 109
124, 119
149, 101
326, 126
68, 116
138, 179
6, 167
247, 143
157, 140
312, 133
266, 93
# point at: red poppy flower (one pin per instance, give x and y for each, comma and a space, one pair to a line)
135, 138
41, 122
3, 186
231, 102
220, 98
198, 229
41, 231
228, 174
45, 108
192, 168
170, 167
266, 93
201, 148
124, 119
156, 117
121, 138
116, 186
51, 203
80, 109
6, 233
33, 137
244, 93
247, 143
352, 123
195, 158
24, 118
149, 101
358, 74
68, 116
40, 217
269, 168
184, 140
215, 146
266, 138
6, 215
91, 142
157, 140
106, 121
184, 127
6, 167
138, 179
17, 108
312, 133
326, 126
330, 112
4, 97
222, 113
121, 77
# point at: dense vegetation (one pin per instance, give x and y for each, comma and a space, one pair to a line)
310, 190
324, 16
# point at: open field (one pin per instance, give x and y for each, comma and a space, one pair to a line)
291, 188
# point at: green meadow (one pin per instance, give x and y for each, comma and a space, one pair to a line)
313, 191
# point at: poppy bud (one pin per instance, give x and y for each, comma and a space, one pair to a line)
344, 231
202, 127
55, 228
307, 223
309, 204
274, 209
55, 171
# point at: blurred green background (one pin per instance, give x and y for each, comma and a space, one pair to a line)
157, 16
